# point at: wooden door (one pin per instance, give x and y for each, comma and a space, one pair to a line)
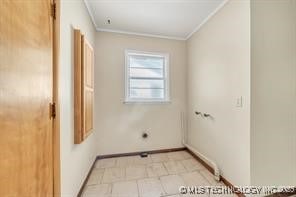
26, 78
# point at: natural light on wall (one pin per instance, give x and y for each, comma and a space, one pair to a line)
146, 77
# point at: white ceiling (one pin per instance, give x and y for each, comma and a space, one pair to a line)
176, 19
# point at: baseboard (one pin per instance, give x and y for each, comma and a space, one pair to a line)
124, 155
138, 153
209, 168
86, 179
224, 180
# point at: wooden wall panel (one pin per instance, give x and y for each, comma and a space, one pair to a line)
84, 87
88, 55
77, 87
88, 87
88, 110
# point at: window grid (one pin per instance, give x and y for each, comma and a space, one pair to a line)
164, 96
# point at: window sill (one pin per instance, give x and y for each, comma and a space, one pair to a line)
155, 102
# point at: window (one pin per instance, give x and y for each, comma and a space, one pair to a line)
146, 77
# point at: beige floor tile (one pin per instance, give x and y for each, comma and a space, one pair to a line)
150, 187
186, 155
174, 156
106, 163
156, 169
113, 175
192, 165
209, 177
171, 184
142, 160
128, 176
95, 176
174, 167
136, 172
125, 161
194, 179
103, 190
161, 157
125, 189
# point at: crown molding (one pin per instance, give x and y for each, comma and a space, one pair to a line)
207, 19
153, 35
140, 34
90, 13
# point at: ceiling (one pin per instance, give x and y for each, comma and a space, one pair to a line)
175, 19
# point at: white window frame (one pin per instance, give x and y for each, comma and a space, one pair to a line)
166, 98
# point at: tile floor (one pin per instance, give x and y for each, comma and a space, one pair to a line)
154, 176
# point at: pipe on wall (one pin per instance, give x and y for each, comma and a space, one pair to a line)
208, 161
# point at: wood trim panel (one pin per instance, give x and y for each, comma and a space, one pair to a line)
87, 87
78, 119
83, 87
56, 122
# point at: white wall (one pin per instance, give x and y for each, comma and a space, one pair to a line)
273, 101
219, 73
75, 159
120, 125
